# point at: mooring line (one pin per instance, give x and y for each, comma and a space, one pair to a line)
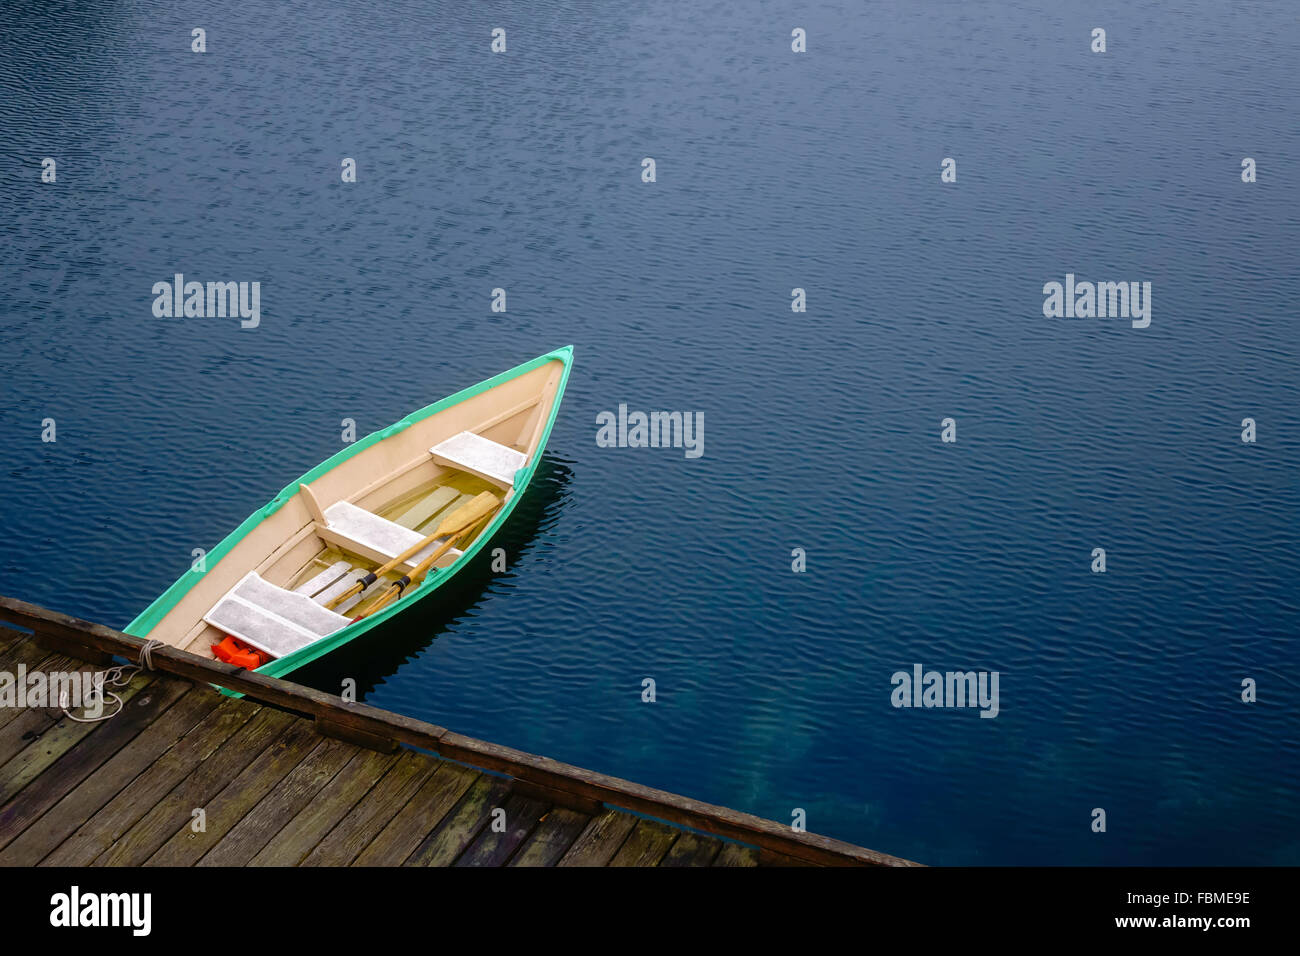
117, 676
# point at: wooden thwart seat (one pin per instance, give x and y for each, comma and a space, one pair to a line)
272, 619
489, 460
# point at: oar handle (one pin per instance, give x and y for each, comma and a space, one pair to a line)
370, 577
398, 587
417, 575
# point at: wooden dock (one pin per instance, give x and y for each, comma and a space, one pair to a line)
288, 775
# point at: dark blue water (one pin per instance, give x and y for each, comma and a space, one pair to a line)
775, 171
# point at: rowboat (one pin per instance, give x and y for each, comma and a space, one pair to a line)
367, 533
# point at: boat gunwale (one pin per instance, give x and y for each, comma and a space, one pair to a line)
152, 615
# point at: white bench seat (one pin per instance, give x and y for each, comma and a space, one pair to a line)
272, 619
489, 460
376, 535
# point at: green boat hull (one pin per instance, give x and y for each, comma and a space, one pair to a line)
437, 578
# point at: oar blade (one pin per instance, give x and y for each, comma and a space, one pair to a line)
468, 514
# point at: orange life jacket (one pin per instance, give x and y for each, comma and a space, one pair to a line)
233, 652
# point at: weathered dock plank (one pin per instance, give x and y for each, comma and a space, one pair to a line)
196, 790
462, 824
101, 830
407, 830
600, 840
18, 648
494, 847
692, 849
373, 811
27, 723
733, 854
297, 838
21, 653
551, 838
13, 644
62, 758
261, 819
293, 776
86, 798
646, 845
224, 811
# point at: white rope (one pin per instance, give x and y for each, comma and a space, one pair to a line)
117, 676
146, 653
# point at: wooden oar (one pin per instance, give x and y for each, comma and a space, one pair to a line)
398, 587
467, 514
